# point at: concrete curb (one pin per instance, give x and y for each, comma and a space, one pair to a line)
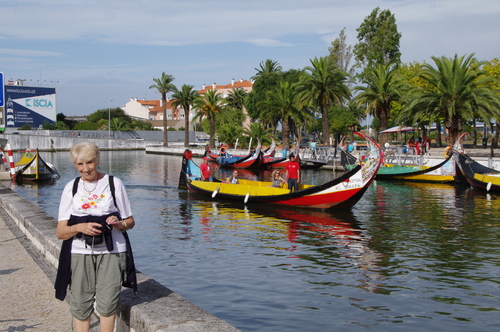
154, 308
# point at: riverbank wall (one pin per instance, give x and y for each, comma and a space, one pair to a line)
154, 308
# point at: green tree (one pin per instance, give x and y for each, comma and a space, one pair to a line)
164, 85
323, 85
457, 90
185, 98
209, 105
267, 67
266, 78
257, 131
380, 89
229, 133
283, 103
378, 38
341, 55
118, 124
236, 98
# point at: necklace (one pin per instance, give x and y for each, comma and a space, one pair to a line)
89, 191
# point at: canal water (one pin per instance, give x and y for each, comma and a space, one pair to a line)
408, 257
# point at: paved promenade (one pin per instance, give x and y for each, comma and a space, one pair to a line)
27, 301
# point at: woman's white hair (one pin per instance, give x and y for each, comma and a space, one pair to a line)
84, 151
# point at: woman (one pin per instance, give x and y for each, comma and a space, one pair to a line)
94, 214
277, 179
234, 178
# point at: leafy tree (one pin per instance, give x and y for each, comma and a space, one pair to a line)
341, 55
209, 105
380, 89
282, 102
345, 119
378, 40
185, 98
62, 118
492, 68
457, 90
60, 125
267, 67
164, 85
118, 124
266, 78
323, 86
236, 98
257, 131
229, 133
87, 125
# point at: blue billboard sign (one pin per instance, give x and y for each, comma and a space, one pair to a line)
27, 105
2, 103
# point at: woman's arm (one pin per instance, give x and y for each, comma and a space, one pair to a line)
124, 224
65, 232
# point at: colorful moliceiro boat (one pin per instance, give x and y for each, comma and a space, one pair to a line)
477, 175
342, 193
252, 160
440, 173
32, 167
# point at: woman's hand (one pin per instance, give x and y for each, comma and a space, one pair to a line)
114, 222
91, 228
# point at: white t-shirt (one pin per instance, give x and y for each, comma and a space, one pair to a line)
96, 200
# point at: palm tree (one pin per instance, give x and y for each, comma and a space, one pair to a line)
257, 131
236, 98
267, 67
381, 88
185, 98
324, 85
208, 105
164, 85
282, 102
457, 90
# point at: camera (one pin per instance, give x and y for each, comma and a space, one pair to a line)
105, 227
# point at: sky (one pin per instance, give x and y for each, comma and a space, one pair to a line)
100, 53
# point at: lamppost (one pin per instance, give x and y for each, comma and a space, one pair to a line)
109, 118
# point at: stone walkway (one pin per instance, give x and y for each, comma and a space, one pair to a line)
27, 301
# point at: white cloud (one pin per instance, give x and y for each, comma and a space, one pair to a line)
121, 45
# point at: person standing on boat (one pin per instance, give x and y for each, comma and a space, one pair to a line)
234, 178
293, 173
96, 257
205, 170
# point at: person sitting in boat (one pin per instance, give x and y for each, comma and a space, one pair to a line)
234, 178
252, 151
207, 150
293, 173
205, 170
222, 151
277, 180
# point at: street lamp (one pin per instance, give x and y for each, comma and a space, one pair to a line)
109, 118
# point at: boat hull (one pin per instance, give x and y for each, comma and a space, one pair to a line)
31, 167
477, 175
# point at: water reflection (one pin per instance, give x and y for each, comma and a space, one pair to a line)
409, 255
